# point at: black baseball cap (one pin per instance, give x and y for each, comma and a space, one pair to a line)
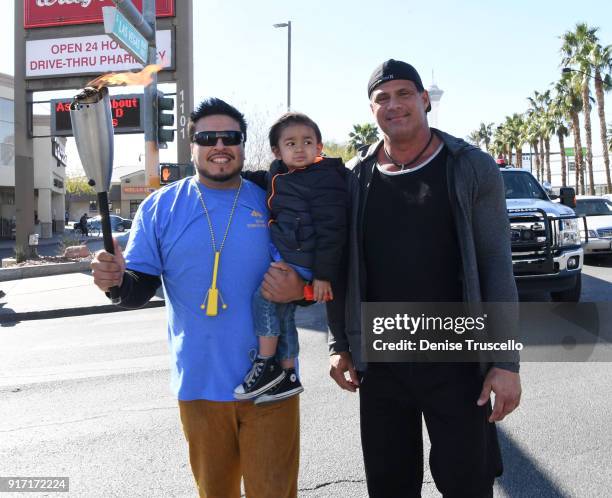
395, 70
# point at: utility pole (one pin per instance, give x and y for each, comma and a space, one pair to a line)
184, 79
24, 147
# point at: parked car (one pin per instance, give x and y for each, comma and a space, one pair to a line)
118, 224
545, 237
598, 212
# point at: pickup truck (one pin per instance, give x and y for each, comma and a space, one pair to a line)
545, 237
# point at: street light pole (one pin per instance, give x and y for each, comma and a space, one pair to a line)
288, 26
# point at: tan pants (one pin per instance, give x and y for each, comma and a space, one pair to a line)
232, 439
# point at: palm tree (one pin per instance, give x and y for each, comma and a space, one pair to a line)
600, 60
575, 49
532, 136
568, 92
364, 134
549, 128
539, 105
558, 111
513, 133
498, 144
482, 135
473, 138
485, 132
503, 139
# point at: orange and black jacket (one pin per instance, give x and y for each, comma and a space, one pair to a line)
308, 213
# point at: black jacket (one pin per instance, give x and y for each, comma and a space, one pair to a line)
483, 231
308, 214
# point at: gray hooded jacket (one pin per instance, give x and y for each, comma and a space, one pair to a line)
477, 195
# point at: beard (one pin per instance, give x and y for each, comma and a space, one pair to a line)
221, 177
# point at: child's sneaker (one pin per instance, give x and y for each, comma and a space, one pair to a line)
289, 386
264, 374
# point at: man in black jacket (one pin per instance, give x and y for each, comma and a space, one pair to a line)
428, 224
83, 225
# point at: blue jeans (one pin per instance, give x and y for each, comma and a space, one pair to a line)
276, 320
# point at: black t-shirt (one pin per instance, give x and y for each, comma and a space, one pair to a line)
410, 241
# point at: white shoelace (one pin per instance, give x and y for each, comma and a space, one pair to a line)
254, 373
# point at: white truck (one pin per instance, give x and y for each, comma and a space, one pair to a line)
546, 241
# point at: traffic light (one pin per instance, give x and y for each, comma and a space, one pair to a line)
169, 173
164, 119
172, 172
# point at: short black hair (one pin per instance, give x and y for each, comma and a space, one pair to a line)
212, 107
288, 119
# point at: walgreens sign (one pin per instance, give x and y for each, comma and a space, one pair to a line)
42, 13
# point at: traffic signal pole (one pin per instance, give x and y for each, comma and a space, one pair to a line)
150, 105
146, 25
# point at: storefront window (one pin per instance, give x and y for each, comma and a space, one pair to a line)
7, 110
7, 133
133, 208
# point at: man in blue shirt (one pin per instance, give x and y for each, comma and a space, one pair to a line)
206, 239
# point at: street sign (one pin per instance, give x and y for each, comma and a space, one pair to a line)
95, 54
120, 30
569, 151
126, 112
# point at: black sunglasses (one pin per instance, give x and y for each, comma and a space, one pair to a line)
210, 138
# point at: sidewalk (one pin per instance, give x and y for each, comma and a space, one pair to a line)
55, 296
10, 243
55, 239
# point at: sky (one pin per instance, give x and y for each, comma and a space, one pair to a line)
487, 56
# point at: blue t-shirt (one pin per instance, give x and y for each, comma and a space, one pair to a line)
170, 237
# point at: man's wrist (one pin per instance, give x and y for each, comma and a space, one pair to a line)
333, 351
506, 365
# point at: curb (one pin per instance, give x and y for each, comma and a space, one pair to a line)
68, 312
7, 274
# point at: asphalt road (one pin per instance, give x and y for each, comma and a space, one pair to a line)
87, 398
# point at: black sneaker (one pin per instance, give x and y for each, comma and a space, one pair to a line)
289, 386
264, 374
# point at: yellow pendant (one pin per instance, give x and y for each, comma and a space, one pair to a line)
213, 295
212, 302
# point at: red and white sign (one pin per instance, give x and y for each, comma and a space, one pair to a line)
97, 54
138, 190
41, 13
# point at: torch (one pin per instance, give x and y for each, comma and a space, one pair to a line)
92, 127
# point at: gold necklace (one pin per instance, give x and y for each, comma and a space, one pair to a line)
213, 295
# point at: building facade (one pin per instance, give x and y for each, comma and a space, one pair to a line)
556, 176
49, 169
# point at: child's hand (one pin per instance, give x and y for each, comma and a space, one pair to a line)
322, 291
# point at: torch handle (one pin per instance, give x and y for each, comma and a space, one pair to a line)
107, 233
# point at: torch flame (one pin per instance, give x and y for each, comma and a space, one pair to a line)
143, 77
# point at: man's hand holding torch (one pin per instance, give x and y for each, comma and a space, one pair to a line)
108, 269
